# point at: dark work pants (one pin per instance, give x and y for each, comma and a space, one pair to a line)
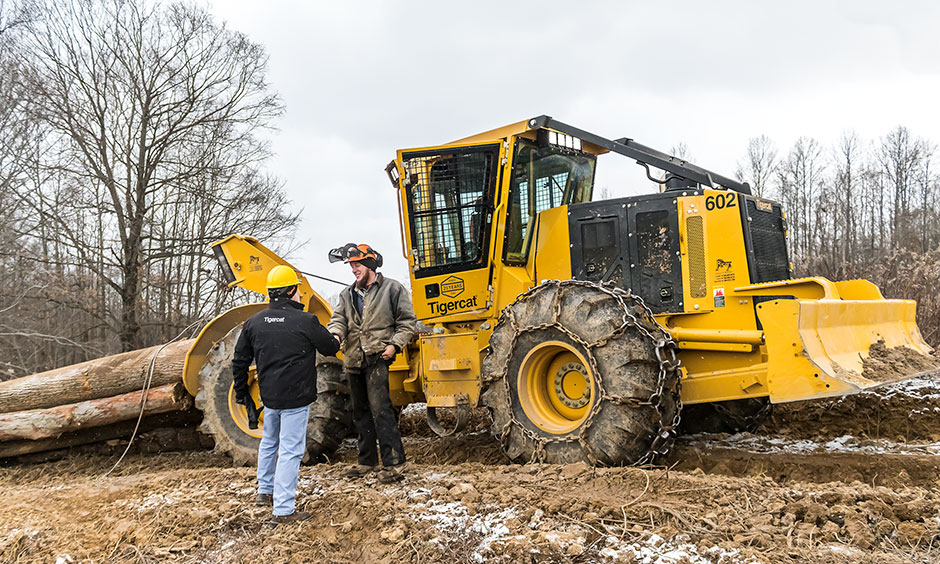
374, 415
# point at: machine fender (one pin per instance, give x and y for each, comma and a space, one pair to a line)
208, 337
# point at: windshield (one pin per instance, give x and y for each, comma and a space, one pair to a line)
543, 178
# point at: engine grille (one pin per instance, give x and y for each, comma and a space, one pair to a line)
696, 234
767, 227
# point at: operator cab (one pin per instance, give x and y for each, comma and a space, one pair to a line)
487, 217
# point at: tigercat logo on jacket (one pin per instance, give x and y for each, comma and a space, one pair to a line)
274, 320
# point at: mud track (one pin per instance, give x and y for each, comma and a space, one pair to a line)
853, 480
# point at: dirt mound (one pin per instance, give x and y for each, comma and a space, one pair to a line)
905, 411
888, 364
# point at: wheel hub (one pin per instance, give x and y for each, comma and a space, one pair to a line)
555, 387
571, 385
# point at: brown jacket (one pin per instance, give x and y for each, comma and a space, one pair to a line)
387, 319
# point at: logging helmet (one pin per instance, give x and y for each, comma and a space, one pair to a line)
282, 276
362, 253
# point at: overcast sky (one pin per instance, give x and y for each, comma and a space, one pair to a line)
362, 79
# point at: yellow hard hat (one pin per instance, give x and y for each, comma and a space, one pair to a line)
282, 276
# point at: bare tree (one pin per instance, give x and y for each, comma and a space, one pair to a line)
901, 159
927, 184
847, 162
800, 178
146, 102
759, 166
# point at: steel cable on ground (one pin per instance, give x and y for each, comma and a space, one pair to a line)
146, 389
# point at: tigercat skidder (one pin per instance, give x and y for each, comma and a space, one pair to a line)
588, 328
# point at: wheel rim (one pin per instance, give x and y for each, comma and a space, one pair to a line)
556, 387
238, 412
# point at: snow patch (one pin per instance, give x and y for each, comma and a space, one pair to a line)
413, 408
454, 517
843, 444
657, 550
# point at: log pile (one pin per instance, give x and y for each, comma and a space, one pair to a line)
93, 401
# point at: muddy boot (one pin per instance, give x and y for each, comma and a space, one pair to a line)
292, 518
264, 499
359, 470
392, 474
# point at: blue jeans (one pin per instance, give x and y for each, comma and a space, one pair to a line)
283, 440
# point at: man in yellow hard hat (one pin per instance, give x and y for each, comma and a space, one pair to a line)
283, 340
375, 321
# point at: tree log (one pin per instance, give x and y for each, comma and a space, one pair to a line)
101, 378
52, 422
120, 430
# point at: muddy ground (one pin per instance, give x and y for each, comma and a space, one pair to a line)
853, 480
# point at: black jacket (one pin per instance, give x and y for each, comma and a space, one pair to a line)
283, 340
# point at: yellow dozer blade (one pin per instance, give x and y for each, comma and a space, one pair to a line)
841, 344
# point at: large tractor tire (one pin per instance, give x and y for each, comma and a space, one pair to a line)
736, 416
573, 374
223, 419
227, 422
331, 415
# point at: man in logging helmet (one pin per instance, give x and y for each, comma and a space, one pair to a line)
375, 321
283, 340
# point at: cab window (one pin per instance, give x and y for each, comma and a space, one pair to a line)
542, 178
449, 195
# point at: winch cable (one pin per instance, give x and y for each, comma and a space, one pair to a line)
146, 389
323, 278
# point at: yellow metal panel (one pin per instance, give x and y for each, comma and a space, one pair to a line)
721, 314
451, 369
705, 346
813, 288
460, 292
402, 379
817, 347
494, 134
858, 290
724, 385
552, 249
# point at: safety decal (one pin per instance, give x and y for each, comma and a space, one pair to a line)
719, 297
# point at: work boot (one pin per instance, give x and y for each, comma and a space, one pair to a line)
392, 474
264, 499
292, 518
359, 470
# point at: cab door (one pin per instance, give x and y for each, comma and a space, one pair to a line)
448, 196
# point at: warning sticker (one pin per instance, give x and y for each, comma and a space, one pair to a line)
719, 297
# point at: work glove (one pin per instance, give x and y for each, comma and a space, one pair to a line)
254, 412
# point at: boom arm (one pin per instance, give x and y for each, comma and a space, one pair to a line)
646, 156
246, 262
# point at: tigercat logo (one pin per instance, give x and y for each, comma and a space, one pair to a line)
443, 308
254, 264
452, 286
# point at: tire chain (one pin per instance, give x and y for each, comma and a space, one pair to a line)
668, 380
